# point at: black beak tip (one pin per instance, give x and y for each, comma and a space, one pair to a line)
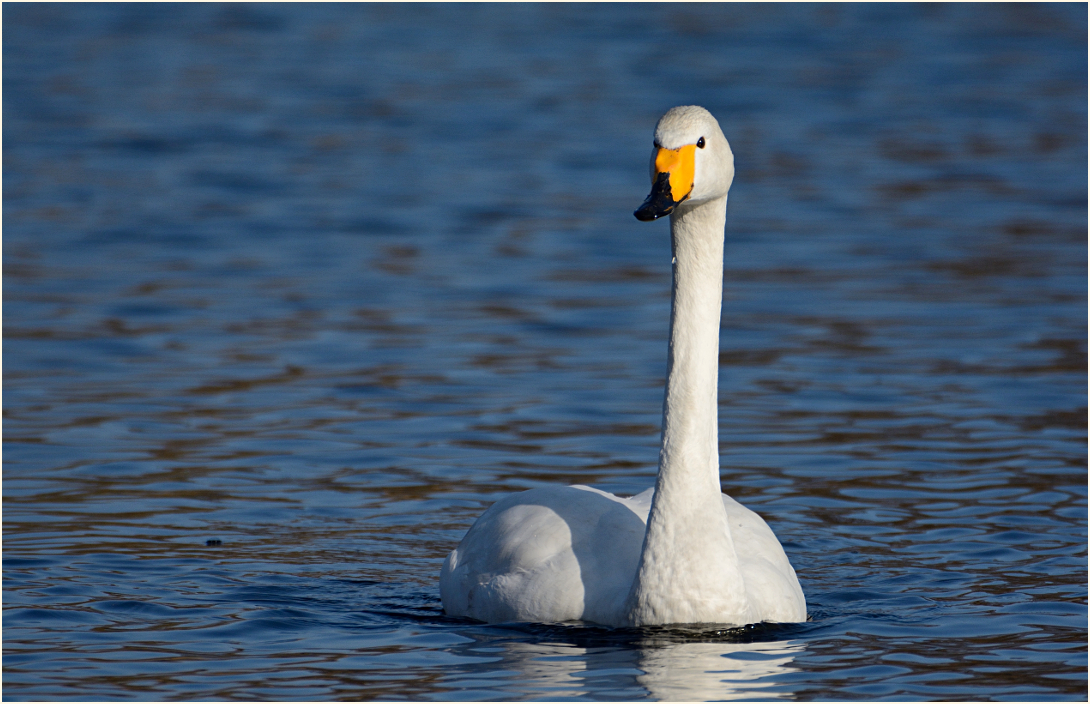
654, 208
659, 202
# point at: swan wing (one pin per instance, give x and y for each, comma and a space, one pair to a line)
546, 555
771, 584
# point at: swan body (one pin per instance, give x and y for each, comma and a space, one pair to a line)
682, 552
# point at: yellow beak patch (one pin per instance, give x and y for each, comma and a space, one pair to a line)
680, 163
671, 183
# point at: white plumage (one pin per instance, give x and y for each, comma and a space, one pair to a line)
682, 552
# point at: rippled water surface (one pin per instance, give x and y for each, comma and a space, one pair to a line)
323, 282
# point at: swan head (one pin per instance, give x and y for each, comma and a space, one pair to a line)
691, 163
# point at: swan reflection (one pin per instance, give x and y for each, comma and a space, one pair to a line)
706, 671
668, 668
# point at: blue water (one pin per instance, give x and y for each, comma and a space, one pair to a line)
322, 282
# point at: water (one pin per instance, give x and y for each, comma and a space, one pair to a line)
323, 282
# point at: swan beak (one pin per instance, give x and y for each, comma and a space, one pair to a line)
672, 182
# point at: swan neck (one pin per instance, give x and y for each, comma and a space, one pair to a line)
689, 457
688, 571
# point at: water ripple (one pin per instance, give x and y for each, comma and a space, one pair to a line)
293, 293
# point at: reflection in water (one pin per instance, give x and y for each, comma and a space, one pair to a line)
664, 667
715, 671
545, 670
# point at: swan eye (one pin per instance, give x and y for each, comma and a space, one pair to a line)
700, 143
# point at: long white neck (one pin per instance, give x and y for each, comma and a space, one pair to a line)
688, 570
689, 460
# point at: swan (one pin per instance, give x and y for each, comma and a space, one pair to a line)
682, 552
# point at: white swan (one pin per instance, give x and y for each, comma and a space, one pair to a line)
682, 552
